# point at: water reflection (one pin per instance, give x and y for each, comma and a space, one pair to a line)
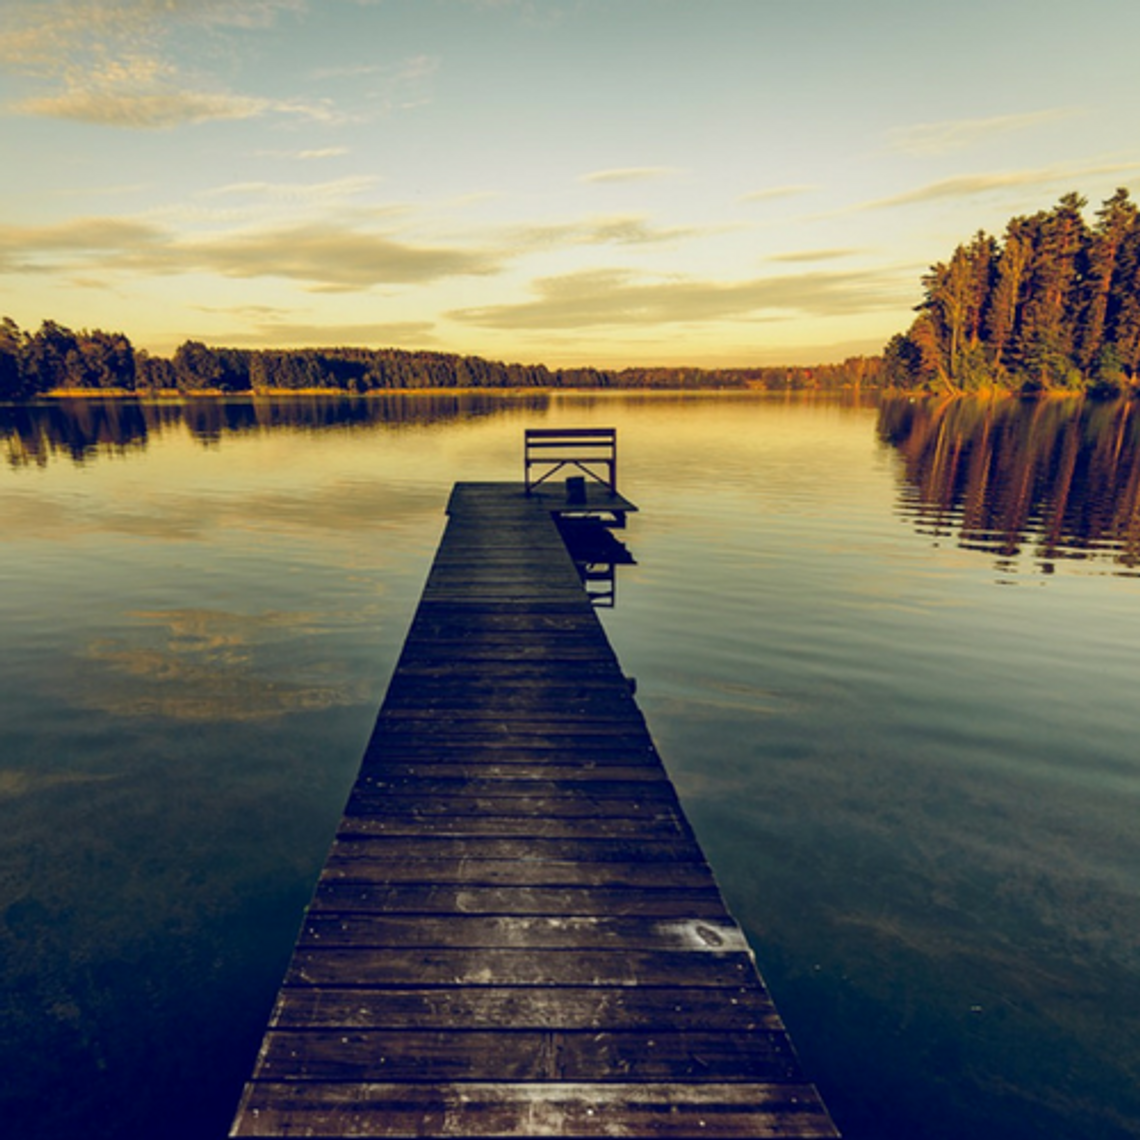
32, 434
1041, 480
918, 790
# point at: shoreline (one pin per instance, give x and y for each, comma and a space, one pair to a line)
173, 395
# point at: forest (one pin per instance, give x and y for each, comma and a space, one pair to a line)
55, 359
1054, 305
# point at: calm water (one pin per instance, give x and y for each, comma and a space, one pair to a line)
890, 656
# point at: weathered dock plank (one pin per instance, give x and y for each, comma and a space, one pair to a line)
489, 1110
523, 1007
515, 933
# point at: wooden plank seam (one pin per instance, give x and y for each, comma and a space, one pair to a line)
515, 933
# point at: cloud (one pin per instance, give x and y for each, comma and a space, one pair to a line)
329, 255
325, 192
611, 229
322, 152
112, 62
391, 86
630, 229
25, 247
324, 255
109, 191
923, 139
306, 155
629, 174
612, 297
809, 255
970, 185
57, 33
121, 108
357, 249
289, 334
775, 192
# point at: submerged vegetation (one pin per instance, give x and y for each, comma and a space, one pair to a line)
1052, 306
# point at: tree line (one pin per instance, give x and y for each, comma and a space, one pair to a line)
56, 359
1053, 305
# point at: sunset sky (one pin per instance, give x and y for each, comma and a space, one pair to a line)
609, 182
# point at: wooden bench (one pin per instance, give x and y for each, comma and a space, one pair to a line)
591, 451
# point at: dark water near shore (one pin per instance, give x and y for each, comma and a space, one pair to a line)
890, 655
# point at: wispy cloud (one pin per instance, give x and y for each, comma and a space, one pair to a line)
391, 86
111, 107
327, 255
812, 255
611, 297
112, 190
924, 139
971, 185
773, 193
612, 229
297, 334
24, 248
629, 174
321, 255
309, 155
115, 62
55, 33
339, 189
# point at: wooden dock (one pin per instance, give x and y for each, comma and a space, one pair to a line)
516, 933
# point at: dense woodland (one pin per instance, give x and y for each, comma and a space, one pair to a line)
56, 359
1053, 305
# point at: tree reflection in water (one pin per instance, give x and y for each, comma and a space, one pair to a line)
1049, 479
82, 429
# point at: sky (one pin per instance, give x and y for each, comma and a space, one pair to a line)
573, 182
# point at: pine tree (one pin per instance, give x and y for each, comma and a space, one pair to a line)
1116, 219
1048, 332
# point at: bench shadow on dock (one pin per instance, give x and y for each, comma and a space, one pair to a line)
515, 932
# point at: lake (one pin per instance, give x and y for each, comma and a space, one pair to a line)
889, 653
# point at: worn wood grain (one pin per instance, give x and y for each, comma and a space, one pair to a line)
518, 873
573, 803
417, 1055
661, 1009
670, 1110
653, 900
365, 966
515, 933
545, 932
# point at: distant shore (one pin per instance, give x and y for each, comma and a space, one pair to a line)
174, 394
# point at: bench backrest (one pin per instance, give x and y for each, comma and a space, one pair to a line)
592, 451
